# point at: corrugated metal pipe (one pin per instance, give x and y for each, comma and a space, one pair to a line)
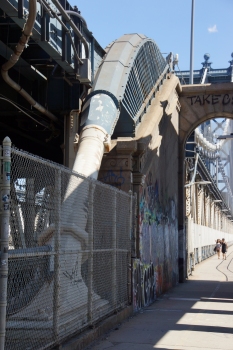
87, 162
91, 147
99, 116
23, 41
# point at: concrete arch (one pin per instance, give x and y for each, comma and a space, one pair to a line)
200, 103
204, 119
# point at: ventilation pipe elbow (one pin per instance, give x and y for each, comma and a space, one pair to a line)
100, 108
98, 119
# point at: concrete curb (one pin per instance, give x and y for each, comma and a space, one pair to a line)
81, 341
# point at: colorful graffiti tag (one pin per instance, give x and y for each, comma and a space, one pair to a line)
158, 231
113, 179
143, 284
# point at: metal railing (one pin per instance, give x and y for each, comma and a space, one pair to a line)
68, 263
201, 242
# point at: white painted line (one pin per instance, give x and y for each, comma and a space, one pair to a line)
223, 300
166, 310
186, 299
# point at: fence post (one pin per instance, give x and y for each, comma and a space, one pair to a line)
135, 213
4, 232
132, 239
114, 246
187, 230
57, 243
90, 247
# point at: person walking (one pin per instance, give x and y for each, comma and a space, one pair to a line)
224, 249
218, 247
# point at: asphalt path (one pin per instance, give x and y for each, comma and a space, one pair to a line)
195, 315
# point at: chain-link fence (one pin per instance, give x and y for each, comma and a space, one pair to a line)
69, 252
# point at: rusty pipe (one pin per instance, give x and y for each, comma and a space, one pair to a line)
23, 42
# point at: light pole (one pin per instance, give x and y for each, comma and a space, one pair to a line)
191, 45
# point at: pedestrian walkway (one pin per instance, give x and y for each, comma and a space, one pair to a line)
195, 315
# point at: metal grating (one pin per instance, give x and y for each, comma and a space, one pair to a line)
147, 67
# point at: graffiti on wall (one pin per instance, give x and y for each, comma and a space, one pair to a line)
112, 178
211, 99
151, 210
158, 231
143, 284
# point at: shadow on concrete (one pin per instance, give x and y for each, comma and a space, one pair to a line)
179, 320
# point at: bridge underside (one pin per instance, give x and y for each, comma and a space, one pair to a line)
49, 70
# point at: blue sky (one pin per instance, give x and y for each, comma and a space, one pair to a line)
168, 23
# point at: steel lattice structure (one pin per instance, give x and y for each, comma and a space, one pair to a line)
215, 161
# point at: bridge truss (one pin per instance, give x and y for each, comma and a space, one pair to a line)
211, 161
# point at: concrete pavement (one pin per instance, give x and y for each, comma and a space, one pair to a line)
195, 315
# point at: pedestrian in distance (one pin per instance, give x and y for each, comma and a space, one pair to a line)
218, 247
224, 249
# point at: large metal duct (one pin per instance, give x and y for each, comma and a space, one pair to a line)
125, 82
126, 79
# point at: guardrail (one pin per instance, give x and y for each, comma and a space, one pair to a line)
201, 243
